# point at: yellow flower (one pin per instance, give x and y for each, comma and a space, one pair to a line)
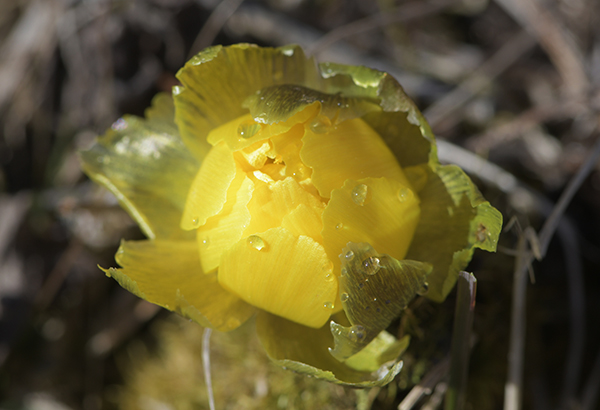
308, 195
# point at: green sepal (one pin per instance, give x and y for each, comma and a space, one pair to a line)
278, 103
305, 350
455, 219
383, 349
375, 289
130, 161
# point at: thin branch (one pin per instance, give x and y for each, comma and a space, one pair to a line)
592, 388
507, 55
514, 382
461, 341
407, 12
214, 24
206, 366
554, 38
426, 386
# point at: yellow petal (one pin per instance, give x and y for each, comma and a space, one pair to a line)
305, 220
380, 211
254, 156
130, 161
350, 150
271, 202
222, 231
208, 192
286, 275
168, 273
287, 151
244, 131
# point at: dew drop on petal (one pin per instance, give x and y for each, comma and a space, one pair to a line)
329, 277
371, 265
320, 125
195, 221
328, 305
403, 194
248, 129
255, 242
344, 297
339, 226
205, 242
357, 333
349, 256
423, 289
344, 271
359, 194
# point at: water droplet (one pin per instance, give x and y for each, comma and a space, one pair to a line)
255, 242
357, 333
329, 277
371, 265
328, 305
423, 289
205, 242
349, 255
339, 226
344, 271
344, 297
359, 194
195, 221
320, 125
248, 129
403, 194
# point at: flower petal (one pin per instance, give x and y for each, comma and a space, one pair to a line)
386, 218
208, 192
375, 289
218, 80
305, 220
350, 150
222, 231
305, 350
304, 291
454, 221
168, 273
130, 161
271, 202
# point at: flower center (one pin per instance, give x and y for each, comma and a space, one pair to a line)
269, 198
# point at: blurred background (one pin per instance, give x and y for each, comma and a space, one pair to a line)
515, 81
